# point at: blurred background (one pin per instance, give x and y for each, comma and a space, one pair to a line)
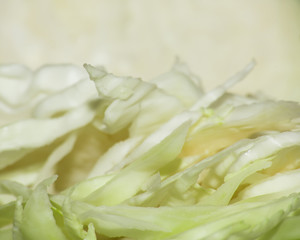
142, 38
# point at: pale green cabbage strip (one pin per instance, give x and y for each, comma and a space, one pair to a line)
88, 155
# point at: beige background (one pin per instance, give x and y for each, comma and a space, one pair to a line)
142, 38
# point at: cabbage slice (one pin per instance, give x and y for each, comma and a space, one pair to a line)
146, 160
36, 220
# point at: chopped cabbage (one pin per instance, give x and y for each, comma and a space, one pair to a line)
90, 155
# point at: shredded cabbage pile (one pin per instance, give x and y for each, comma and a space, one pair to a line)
88, 155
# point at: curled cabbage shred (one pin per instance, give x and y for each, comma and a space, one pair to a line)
88, 155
